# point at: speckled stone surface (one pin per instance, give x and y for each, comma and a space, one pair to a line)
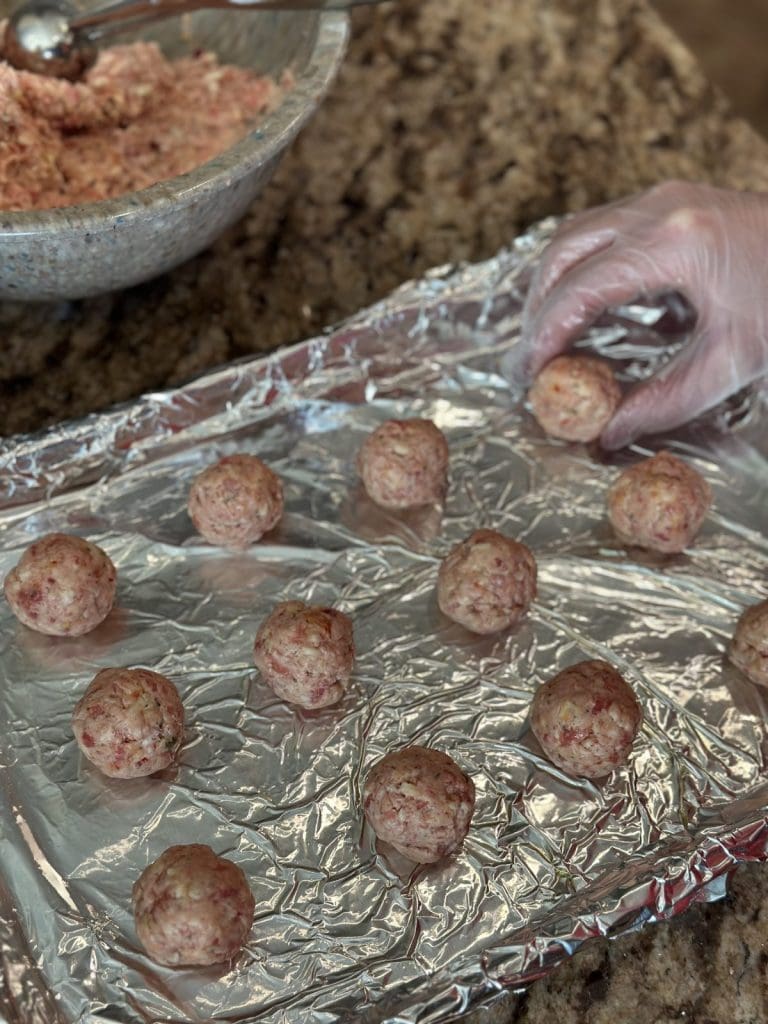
452, 127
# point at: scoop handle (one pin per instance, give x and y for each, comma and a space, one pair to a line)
91, 26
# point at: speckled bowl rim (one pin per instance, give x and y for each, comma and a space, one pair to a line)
257, 148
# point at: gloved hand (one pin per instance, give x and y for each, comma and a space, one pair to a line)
709, 244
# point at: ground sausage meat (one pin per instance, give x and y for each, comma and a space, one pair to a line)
306, 654
574, 397
420, 802
487, 582
236, 501
749, 647
659, 504
586, 719
62, 586
135, 119
192, 907
404, 464
129, 722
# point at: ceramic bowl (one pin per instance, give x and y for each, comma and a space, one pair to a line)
77, 251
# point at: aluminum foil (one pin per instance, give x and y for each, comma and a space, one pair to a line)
345, 931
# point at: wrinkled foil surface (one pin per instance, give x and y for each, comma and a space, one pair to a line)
345, 931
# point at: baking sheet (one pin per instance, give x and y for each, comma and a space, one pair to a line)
345, 932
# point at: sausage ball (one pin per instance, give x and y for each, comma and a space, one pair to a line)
749, 647
420, 802
62, 586
306, 653
574, 397
192, 908
129, 722
487, 582
404, 464
659, 504
236, 501
586, 719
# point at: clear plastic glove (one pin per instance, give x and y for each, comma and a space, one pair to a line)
709, 244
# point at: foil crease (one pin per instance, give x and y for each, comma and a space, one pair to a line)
346, 932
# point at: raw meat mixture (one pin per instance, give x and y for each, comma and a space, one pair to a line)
586, 719
659, 504
135, 119
192, 907
574, 397
487, 582
236, 501
749, 647
305, 653
404, 464
129, 722
62, 586
420, 801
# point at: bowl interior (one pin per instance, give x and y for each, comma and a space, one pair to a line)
265, 41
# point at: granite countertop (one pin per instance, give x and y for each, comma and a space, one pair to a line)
453, 125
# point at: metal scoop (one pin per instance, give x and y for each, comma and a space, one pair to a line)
51, 37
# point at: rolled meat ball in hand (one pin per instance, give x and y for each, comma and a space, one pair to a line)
420, 802
305, 653
129, 722
62, 586
586, 719
706, 243
659, 504
236, 501
404, 464
574, 397
487, 582
749, 647
192, 908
